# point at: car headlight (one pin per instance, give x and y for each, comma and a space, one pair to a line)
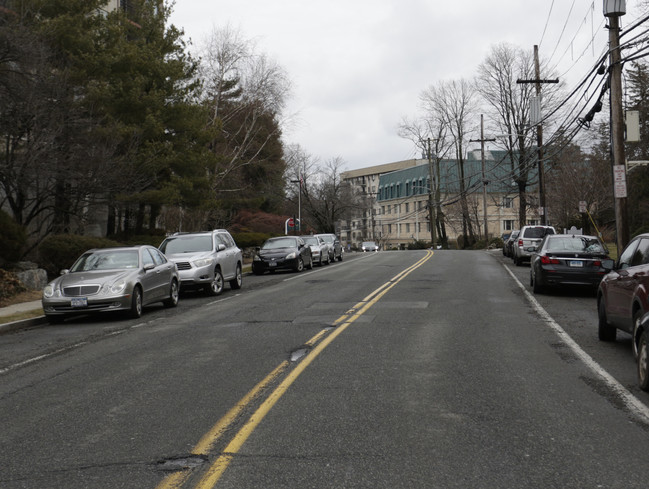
291, 256
48, 291
203, 262
118, 287
256, 258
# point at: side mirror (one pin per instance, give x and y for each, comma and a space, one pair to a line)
65, 271
148, 267
257, 249
220, 247
608, 264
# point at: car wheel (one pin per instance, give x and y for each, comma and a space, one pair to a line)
300, 265
216, 285
537, 288
257, 271
237, 281
310, 265
172, 301
328, 260
340, 258
516, 262
643, 361
606, 331
136, 303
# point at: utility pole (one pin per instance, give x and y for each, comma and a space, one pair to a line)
431, 208
613, 10
484, 177
539, 132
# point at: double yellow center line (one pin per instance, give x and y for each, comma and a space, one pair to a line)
321, 340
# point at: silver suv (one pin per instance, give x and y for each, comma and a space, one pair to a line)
528, 240
205, 259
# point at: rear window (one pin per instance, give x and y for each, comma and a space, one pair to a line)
568, 243
538, 232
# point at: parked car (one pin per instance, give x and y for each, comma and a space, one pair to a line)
642, 332
112, 279
335, 248
319, 249
508, 247
567, 259
286, 252
369, 246
528, 240
205, 260
622, 297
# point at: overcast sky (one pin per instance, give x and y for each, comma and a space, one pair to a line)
358, 66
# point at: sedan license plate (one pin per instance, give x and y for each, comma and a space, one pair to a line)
272, 264
79, 302
576, 263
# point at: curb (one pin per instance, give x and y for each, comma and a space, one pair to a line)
22, 324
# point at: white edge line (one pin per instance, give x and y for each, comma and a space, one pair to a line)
632, 403
41, 357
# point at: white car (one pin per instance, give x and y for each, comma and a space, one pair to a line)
319, 249
369, 246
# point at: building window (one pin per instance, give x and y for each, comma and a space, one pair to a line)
407, 227
508, 224
508, 202
389, 228
407, 207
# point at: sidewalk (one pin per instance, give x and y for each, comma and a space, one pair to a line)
22, 323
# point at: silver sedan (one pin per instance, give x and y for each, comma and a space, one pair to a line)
112, 279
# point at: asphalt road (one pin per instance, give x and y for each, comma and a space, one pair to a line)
388, 370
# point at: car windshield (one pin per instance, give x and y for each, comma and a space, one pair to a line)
106, 260
368, 243
311, 240
279, 243
590, 245
187, 244
327, 238
537, 232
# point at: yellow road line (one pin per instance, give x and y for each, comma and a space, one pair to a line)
217, 469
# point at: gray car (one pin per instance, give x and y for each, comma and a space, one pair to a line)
319, 249
205, 260
335, 248
112, 279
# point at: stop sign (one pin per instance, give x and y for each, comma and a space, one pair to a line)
291, 223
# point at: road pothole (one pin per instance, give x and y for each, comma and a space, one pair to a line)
298, 354
183, 462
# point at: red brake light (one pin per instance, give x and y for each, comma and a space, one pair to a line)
520, 242
549, 261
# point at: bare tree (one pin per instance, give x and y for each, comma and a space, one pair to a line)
455, 102
509, 109
430, 135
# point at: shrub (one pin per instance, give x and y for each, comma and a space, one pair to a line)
10, 285
250, 240
13, 239
59, 251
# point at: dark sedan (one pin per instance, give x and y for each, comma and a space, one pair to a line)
286, 252
566, 259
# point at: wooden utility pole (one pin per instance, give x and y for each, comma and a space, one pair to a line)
484, 177
617, 133
431, 207
539, 132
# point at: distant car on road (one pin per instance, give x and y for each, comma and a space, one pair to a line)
112, 279
319, 249
335, 248
369, 246
205, 259
286, 252
566, 259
